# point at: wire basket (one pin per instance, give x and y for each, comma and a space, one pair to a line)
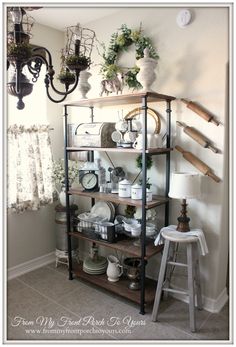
97, 227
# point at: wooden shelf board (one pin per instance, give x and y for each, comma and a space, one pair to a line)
120, 287
125, 246
157, 200
123, 99
120, 150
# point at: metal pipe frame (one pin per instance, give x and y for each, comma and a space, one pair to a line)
90, 155
168, 137
143, 222
68, 222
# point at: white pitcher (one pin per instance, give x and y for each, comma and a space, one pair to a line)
114, 269
151, 141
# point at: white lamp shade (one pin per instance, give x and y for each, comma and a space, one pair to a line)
184, 185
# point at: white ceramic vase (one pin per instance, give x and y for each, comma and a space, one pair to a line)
62, 197
146, 75
83, 86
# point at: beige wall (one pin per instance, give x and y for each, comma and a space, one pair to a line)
193, 64
32, 234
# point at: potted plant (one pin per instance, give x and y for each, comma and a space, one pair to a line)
148, 184
148, 162
66, 77
77, 62
58, 178
130, 211
20, 51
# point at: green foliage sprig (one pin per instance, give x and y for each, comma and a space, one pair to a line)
149, 162
120, 42
130, 211
148, 184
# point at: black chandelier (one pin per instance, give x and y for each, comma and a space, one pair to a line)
75, 57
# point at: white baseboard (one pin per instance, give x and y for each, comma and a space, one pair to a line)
30, 265
211, 305
216, 305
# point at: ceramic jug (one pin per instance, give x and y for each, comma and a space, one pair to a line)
151, 141
114, 269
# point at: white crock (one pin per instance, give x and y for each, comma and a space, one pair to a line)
136, 192
62, 197
125, 189
148, 195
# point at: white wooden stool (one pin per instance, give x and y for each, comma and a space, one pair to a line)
171, 239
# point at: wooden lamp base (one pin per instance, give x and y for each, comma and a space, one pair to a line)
183, 220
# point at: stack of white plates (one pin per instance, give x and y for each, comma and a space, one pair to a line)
95, 267
150, 229
104, 209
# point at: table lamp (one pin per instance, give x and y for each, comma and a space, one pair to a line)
184, 186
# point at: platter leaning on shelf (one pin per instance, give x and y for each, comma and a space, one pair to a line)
153, 123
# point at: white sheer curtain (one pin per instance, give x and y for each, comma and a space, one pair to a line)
29, 167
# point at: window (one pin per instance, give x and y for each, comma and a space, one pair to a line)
29, 152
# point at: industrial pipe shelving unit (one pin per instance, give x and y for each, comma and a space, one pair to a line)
147, 292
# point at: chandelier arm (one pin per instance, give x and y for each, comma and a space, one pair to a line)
51, 73
46, 50
53, 100
38, 56
67, 91
47, 82
35, 74
35, 70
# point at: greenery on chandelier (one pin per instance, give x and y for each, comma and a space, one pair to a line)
77, 60
119, 43
66, 76
21, 51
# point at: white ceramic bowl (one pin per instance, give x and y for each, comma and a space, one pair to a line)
129, 223
136, 230
127, 227
150, 229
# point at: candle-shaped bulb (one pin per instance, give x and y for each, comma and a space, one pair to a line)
77, 39
16, 14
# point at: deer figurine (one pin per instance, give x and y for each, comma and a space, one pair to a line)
115, 85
